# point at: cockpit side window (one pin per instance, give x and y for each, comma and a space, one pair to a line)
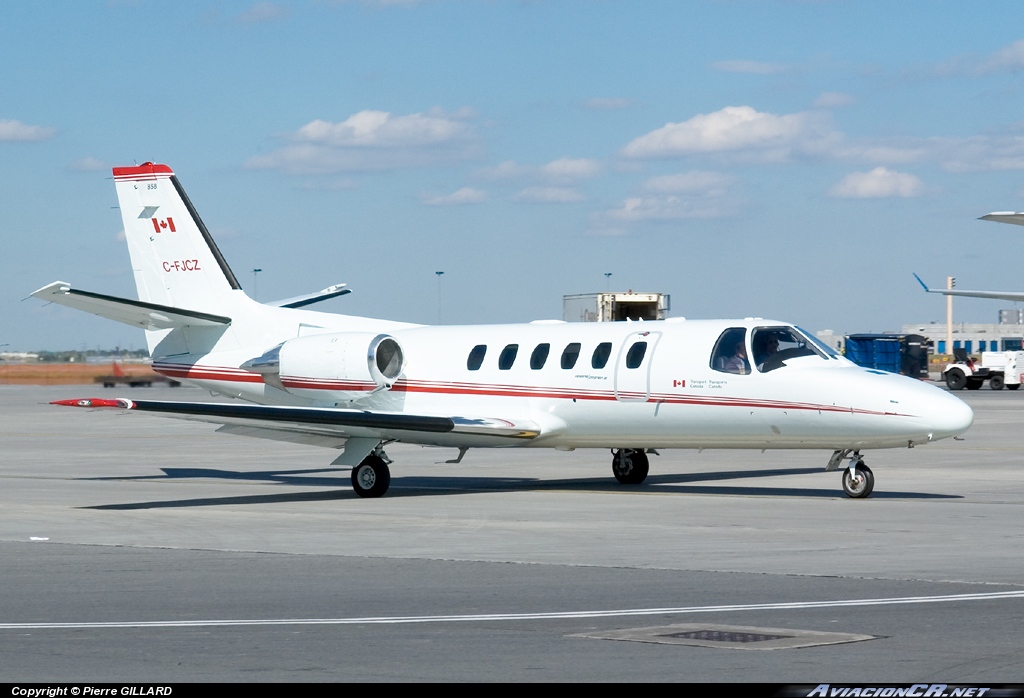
773, 346
730, 353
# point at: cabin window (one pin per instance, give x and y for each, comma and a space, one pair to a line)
539, 356
570, 355
635, 355
476, 357
730, 353
601, 354
508, 357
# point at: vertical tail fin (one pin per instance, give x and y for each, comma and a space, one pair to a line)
175, 260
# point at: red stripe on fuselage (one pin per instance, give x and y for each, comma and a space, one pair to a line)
220, 373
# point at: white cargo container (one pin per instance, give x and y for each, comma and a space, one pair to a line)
610, 307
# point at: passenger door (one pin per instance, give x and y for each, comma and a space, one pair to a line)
633, 366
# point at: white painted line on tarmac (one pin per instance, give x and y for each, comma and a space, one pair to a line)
393, 620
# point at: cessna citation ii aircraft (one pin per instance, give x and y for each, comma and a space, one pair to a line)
358, 384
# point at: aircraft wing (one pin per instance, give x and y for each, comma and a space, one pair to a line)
1005, 295
1017, 218
321, 426
150, 316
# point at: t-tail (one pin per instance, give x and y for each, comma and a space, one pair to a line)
189, 301
175, 260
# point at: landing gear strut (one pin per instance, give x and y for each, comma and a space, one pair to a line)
858, 480
372, 477
630, 465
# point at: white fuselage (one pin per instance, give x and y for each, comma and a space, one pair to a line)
672, 398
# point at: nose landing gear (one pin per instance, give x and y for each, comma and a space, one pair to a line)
858, 480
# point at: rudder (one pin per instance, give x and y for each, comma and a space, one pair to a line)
174, 258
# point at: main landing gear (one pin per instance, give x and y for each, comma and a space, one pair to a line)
858, 480
372, 477
630, 465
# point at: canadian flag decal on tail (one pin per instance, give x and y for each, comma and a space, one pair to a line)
163, 225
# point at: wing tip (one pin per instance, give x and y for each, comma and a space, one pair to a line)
121, 402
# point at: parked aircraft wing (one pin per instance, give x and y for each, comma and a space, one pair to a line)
330, 423
1005, 295
150, 316
1015, 217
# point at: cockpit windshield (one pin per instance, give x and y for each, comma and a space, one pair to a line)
773, 346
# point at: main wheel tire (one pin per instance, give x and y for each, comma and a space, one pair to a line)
996, 382
1015, 386
630, 466
861, 485
371, 478
975, 383
955, 379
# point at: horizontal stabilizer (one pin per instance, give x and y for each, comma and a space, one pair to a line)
150, 316
320, 421
311, 298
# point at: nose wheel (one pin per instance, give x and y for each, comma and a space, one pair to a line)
858, 480
630, 465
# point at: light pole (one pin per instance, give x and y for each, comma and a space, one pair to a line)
607, 281
439, 275
255, 295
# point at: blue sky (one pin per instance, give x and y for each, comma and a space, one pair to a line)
793, 160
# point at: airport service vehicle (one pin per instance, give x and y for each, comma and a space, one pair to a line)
612, 307
117, 376
358, 384
999, 368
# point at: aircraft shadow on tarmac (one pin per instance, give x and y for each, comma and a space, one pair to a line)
433, 485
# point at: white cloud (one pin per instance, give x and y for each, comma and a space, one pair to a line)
694, 194
550, 195
89, 164
1009, 58
263, 12
879, 183
560, 171
466, 195
666, 208
571, 169
14, 130
607, 103
371, 128
752, 67
374, 140
744, 134
695, 182
828, 100
735, 129
338, 184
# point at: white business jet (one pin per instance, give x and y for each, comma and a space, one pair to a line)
358, 384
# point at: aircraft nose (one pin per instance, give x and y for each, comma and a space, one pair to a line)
947, 415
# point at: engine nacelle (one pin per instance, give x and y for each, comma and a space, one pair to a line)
345, 366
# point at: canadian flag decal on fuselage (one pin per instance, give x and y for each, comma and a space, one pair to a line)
162, 226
